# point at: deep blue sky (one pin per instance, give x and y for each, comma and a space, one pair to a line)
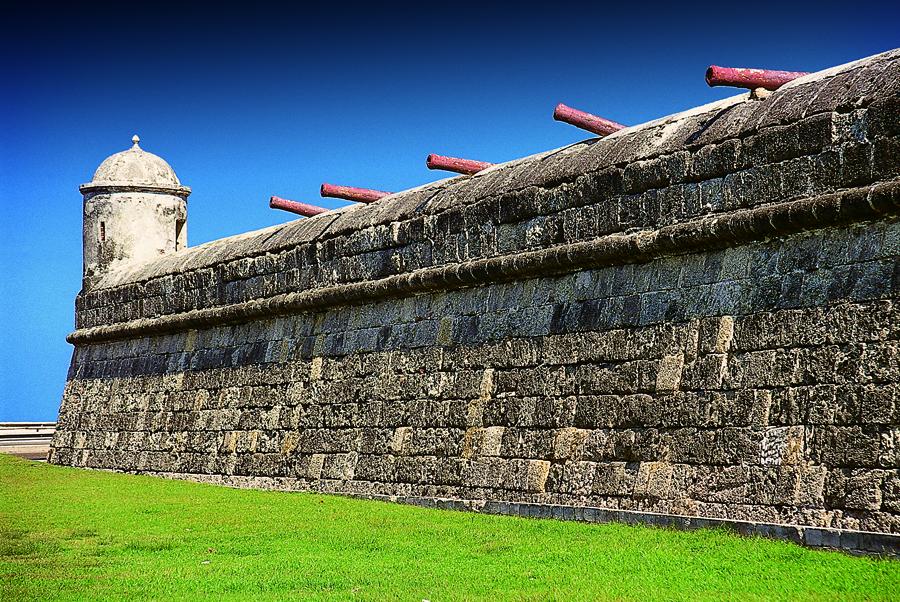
245, 105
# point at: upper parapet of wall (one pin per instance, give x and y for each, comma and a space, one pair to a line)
828, 131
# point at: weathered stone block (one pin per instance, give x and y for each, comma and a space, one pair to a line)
854, 489
669, 376
654, 480
845, 446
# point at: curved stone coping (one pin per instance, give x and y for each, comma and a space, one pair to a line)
854, 84
743, 226
855, 542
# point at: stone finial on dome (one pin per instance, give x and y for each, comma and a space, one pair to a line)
134, 141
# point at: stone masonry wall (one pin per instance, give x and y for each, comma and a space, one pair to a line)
696, 317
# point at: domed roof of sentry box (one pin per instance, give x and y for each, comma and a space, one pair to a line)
135, 170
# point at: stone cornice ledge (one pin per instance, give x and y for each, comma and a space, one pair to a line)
93, 188
743, 226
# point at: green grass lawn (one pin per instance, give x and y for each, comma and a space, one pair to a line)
76, 534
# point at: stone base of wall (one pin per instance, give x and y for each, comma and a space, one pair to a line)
786, 416
854, 542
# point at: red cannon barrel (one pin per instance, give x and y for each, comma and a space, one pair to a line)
463, 166
586, 121
349, 193
750, 78
294, 207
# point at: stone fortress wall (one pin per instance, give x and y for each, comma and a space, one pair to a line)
696, 317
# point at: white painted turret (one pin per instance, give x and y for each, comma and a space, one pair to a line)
135, 209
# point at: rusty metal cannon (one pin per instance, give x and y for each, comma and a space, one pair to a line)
294, 207
463, 166
752, 79
351, 193
586, 121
